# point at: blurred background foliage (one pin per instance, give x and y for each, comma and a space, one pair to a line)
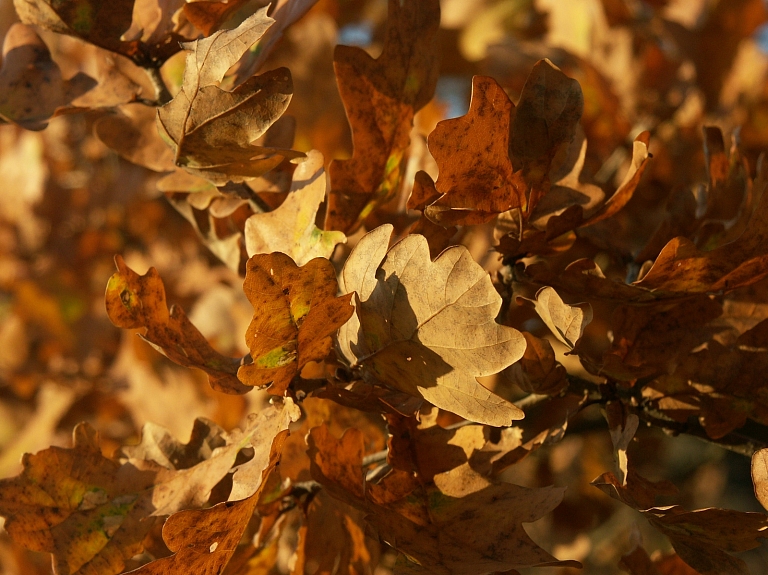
68, 204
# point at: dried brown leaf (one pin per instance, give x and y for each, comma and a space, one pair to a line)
135, 301
461, 524
92, 513
98, 23
211, 130
537, 371
131, 131
295, 313
620, 198
681, 268
545, 121
703, 538
26, 66
428, 328
203, 540
381, 96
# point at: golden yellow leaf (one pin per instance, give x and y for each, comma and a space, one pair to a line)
291, 228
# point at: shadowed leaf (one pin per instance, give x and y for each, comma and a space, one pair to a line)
26, 66
545, 121
428, 328
461, 524
703, 538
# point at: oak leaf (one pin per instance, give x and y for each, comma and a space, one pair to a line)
135, 301
428, 328
26, 66
462, 523
208, 16
291, 228
682, 268
545, 121
131, 131
651, 339
476, 179
152, 21
203, 540
625, 191
295, 313
565, 321
537, 371
92, 513
98, 23
381, 96
703, 538
284, 13
211, 130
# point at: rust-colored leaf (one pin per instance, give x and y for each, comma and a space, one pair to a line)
135, 301
476, 177
295, 313
209, 16
461, 524
381, 96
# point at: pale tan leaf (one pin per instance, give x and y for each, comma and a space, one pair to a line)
567, 322
211, 57
291, 228
248, 477
211, 130
760, 476
428, 328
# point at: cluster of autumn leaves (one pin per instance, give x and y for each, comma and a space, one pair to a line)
410, 322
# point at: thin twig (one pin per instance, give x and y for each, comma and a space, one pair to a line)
162, 95
737, 441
